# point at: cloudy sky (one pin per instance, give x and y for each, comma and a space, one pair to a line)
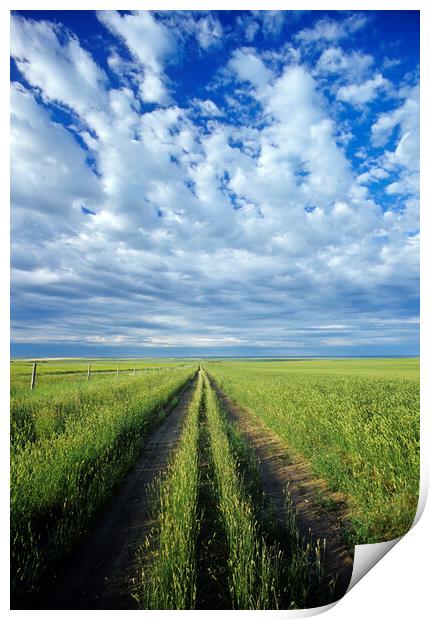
231, 183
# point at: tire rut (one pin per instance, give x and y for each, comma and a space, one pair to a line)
99, 573
281, 471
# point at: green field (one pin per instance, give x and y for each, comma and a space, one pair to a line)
355, 421
169, 580
50, 371
252, 564
71, 442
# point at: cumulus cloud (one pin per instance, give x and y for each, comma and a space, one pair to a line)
352, 66
250, 68
403, 156
331, 30
360, 94
50, 180
208, 31
150, 43
207, 107
211, 230
62, 70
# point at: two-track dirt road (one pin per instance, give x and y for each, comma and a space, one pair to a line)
97, 574
280, 471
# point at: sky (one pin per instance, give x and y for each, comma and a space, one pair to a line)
214, 183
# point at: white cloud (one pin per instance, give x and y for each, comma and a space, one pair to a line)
49, 177
271, 22
302, 140
352, 66
249, 26
403, 158
360, 94
148, 40
250, 68
374, 174
150, 43
63, 71
207, 107
207, 230
208, 31
406, 115
152, 88
331, 30
389, 63
401, 187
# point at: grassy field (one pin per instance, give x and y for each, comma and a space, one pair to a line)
214, 539
264, 566
169, 582
357, 421
253, 565
74, 370
71, 442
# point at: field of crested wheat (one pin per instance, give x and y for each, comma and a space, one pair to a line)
357, 421
250, 480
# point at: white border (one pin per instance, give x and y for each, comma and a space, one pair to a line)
397, 586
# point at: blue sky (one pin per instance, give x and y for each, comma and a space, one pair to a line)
229, 183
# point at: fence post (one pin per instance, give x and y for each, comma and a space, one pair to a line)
33, 376
89, 372
135, 371
117, 372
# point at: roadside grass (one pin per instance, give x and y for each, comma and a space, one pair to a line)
253, 565
257, 563
72, 443
67, 455
305, 578
359, 432
212, 546
55, 374
167, 580
302, 580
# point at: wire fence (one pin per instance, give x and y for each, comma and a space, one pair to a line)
37, 373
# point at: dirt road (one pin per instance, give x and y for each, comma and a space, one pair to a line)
281, 470
97, 574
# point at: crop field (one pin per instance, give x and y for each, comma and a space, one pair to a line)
70, 445
73, 370
357, 421
181, 485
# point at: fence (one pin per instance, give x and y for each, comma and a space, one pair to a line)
91, 371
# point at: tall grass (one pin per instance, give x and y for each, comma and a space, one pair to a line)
63, 470
169, 580
360, 433
253, 565
52, 373
302, 581
306, 581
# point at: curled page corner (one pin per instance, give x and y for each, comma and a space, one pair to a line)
366, 557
